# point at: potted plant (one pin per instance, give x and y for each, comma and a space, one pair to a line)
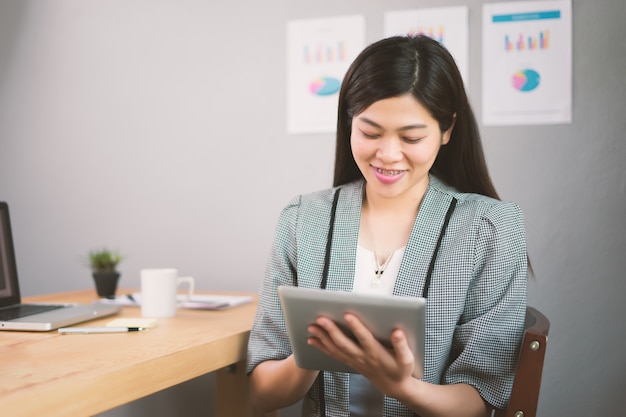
103, 263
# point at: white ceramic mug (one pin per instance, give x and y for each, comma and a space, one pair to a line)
159, 289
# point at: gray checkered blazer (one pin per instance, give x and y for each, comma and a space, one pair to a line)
476, 301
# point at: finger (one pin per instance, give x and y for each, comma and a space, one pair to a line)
401, 348
318, 338
362, 334
317, 333
333, 337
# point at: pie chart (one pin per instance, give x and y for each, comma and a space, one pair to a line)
525, 80
324, 86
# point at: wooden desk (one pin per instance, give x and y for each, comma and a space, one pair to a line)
82, 375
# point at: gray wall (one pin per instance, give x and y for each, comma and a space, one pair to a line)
158, 127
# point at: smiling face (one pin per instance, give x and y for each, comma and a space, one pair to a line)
395, 142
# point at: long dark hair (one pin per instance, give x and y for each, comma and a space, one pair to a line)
422, 67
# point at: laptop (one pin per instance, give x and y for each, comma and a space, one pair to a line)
380, 313
15, 315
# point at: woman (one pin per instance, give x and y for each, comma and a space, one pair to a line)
416, 214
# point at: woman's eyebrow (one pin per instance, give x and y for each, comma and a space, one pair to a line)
403, 128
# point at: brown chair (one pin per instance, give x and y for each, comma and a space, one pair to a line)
525, 393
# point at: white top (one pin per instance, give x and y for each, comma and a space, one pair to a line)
365, 280
365, 399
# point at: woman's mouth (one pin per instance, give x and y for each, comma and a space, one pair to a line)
388, 172
388, 176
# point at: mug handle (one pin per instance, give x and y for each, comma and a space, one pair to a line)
190, 283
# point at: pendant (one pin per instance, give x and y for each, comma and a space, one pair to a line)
377, 280
379, 270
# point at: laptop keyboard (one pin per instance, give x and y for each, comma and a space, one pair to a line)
24, 310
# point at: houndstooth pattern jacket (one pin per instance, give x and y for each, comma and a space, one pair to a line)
476, 300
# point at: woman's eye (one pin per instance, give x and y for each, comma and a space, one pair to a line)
370, 135
412, 140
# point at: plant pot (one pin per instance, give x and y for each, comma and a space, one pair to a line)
106, 283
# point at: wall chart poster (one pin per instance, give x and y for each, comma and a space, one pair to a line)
319, 52
527, 63
448, 25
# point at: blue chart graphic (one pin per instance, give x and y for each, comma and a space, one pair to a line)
324, 86
526, 80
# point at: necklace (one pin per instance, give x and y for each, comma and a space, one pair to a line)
379, 269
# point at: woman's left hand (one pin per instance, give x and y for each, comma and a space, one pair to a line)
385, 367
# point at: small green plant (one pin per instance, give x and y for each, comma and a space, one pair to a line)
104, 260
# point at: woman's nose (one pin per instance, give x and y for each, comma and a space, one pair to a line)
389, 149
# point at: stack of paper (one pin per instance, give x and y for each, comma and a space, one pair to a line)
197, 301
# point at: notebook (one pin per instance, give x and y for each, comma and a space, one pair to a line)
380, 313
15, 315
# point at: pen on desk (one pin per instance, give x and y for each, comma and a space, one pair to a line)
87, 330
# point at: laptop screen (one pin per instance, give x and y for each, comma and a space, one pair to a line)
9, 290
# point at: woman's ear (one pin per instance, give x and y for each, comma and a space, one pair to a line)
445, 136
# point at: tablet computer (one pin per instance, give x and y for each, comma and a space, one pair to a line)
380, 313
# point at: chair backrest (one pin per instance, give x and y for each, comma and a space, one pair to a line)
525, 392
